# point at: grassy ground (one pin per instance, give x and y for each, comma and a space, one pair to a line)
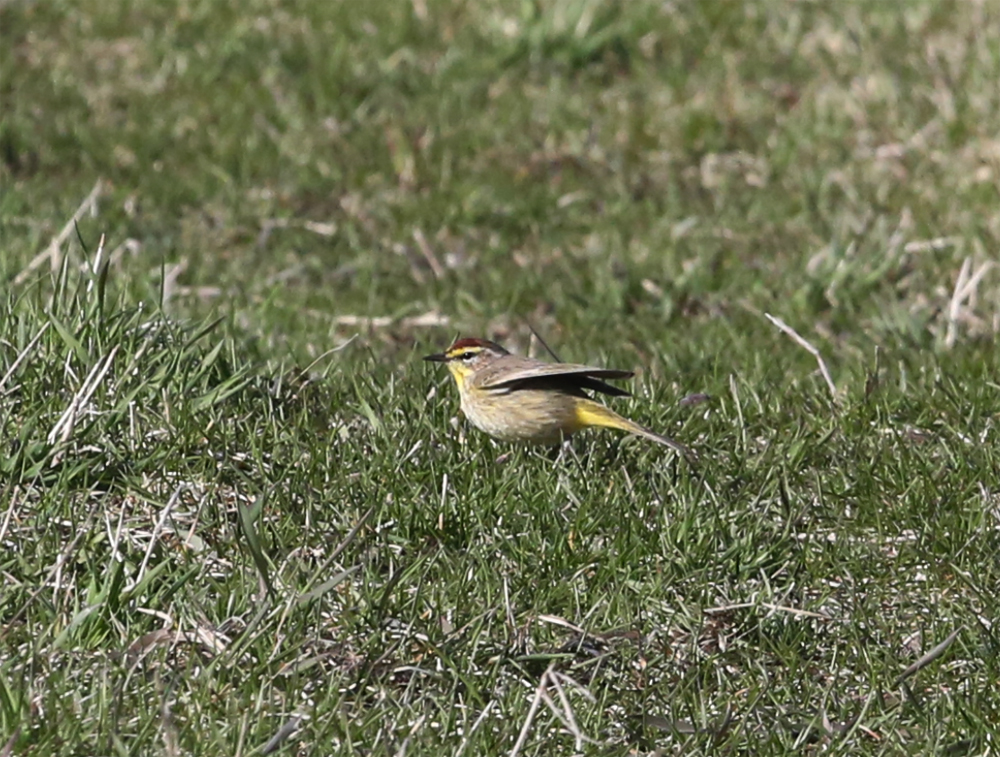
238, 514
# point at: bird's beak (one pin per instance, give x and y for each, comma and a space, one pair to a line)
439, 357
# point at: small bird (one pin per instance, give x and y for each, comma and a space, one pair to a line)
520, 399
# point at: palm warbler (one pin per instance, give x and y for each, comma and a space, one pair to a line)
519, 399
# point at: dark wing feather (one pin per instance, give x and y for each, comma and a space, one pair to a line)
561, 376
596, 385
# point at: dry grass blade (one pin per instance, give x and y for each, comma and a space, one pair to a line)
508, 608
808, 347
430, 319
955, 304
289, 727
8, 748
8, 516
965, 291
930, 657
157, 530
768, 606
475, 726
566, 713
557, 621
171, 274
64, 426
168, 728
22, 356
332, 351
428, 252
51, 252
566, 718
208, 640
563, 711
316, 227
795, 611
150, 641
401, 752
529, 719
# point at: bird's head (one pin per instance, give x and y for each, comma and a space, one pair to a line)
467, 356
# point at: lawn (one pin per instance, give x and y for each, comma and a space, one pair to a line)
239, 515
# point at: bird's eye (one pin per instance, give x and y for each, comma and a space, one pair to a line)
467, 356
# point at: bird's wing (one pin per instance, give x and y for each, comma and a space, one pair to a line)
582, 376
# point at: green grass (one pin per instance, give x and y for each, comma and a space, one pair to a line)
236, 506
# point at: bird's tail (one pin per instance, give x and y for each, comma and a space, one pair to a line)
590, 413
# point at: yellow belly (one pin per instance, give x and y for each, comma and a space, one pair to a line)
528, 416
